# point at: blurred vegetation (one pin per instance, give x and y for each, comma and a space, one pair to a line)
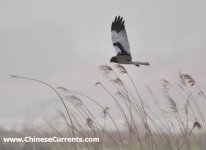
181, 125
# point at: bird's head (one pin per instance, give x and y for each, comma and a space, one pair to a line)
113, 59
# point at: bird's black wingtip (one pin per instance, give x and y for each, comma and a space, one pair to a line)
118, 24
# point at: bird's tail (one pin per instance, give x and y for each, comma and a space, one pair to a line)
138, 63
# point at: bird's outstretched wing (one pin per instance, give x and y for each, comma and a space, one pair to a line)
119, 37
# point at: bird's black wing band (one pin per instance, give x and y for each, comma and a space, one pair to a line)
123, 52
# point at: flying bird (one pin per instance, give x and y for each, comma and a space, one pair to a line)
121, 44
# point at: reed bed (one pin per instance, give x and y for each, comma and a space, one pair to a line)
179, 125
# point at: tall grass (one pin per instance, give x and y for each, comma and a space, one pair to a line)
180, 125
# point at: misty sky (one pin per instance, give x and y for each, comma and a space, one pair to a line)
63, 42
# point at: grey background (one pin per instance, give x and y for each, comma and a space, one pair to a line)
63, 42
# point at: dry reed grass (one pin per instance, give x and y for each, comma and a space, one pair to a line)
156, 132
